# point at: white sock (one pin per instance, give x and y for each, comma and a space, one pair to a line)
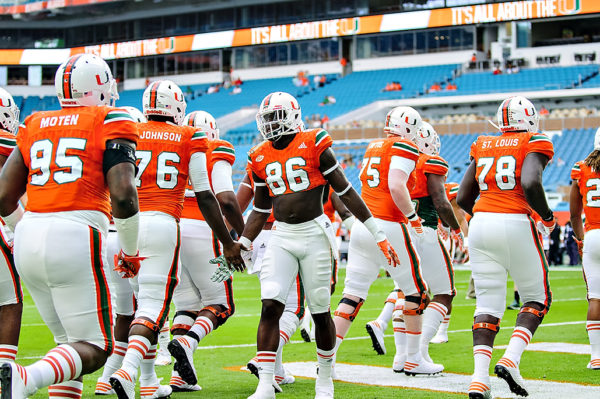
593, 329
400, 336
266, 367
288, 323
164, 336
388, 308
60, 364
8, 353
432, 318
201, 328
114, 361
518, 342
444, 326
66, 390
325, 360
482, 355
413, 341
147, 372
137, 349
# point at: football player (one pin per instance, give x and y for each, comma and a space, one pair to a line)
202, 305
584, 197
506, 174
74, 163
387, 166
11, 295
290, 169
431, 202
168, 155
123, 300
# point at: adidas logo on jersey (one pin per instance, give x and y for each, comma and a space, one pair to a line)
263, 245
302, 145
327, 225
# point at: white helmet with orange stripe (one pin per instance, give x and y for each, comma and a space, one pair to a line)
205, 121
164, 98
136, 114
428, 140
279, 114
517, 114
85, 80
404, 122
9, 112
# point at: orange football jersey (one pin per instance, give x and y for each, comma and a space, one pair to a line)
271, 218
451, 190
64, 151
294, 168
163, 154
588, 182
218, 150
499, 160
374, 175
427, 164
328, 208
8, 142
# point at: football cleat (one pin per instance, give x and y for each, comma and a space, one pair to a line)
179, 385
163, 357
13, 381
399, 360
103, 387
123, 384
154, 390
507, 370
594, 364
184, 360
324, 388
252, 367
440, 338
376, 333
263, 391
480, 390
421, 367
284, 378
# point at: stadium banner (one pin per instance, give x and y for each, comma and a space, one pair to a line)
436, 18
37, 6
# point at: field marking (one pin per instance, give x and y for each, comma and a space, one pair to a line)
555, 347
446, 382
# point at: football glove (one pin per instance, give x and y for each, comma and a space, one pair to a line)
415, 223
459, 238
545, 227
223, 271
389, 253
128, 266
579, 247
443, 231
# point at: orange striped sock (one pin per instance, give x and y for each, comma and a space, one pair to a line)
482, 356
8, 353
137, 349
518, 342
62, 363
593, 330
66, 390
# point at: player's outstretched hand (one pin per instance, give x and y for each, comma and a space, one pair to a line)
223, 271
459, 238
128, 266
389, 253
546, 227
233, 255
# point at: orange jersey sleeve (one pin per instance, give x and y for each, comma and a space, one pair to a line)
588, 182
164, 151
294, 168
427, 164
499, 160
374, 175
64, 152
451, 191
8, 142
218, 150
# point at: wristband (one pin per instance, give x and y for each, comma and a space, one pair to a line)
12, 219
245, 241
374, 229
128, 231
348, 222
413, 216
550, 218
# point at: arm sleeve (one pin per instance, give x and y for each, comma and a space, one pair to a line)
198, 172
221, 177
436, 166
404, 164
540, 143
118, 124
576, 171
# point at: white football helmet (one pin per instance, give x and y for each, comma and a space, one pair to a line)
404, 122
205, 121
279, 114
85, 80
517, 114
164, 98
135, 113
9, 112
428, 140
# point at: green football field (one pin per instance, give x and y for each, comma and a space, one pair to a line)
232, 345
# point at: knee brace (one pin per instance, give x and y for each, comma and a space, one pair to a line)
420, 300
495, 327
183, 321
221, 315
349, 316
532, 310
146, 323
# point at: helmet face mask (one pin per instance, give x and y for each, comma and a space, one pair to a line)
517, 114
85, 80
9, 112
404, 122
428, 140
164, 98
204, 121
279, 114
